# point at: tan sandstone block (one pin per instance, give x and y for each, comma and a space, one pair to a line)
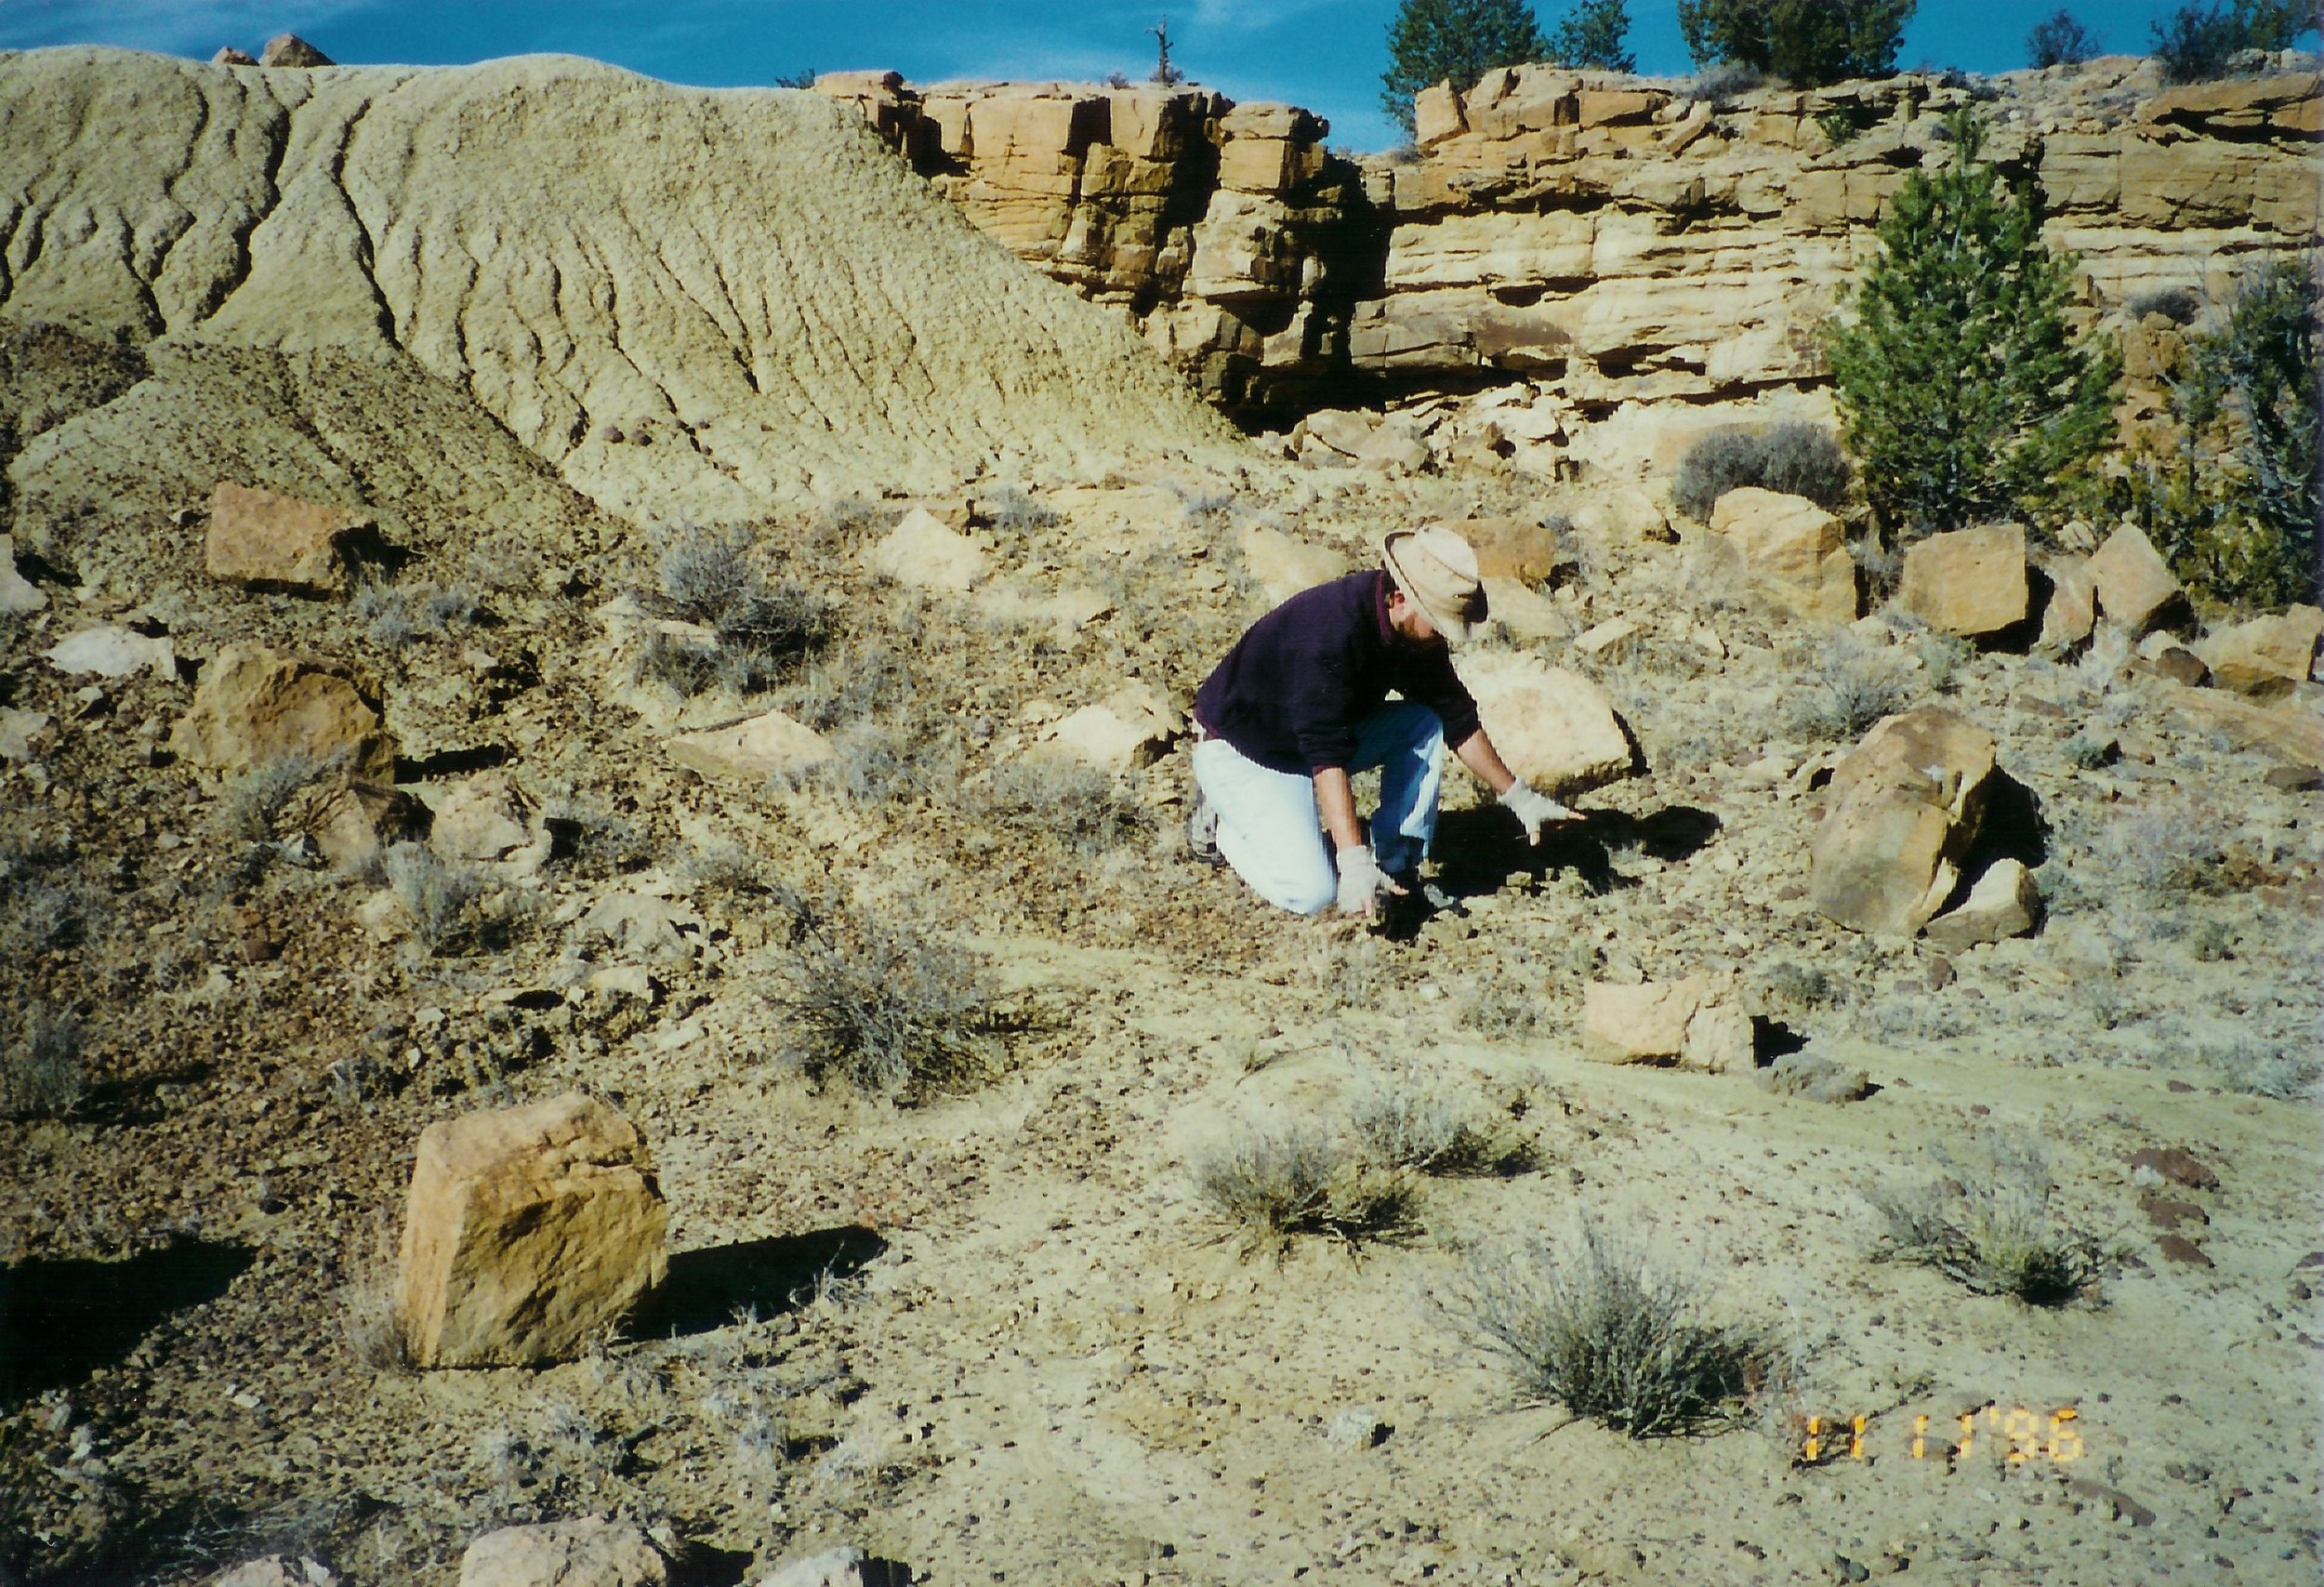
2265, 656
1553, 727
527, 1230
262, 537
767, 746
255, 704
1905, 807
1970, 582
1794, 552
2135, 587
1699, 1020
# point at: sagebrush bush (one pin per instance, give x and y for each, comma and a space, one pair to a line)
760, 630
1987, 1227
1796, 458
250, 805
1273, 1186
1076, 806
884, 1007
2279, 1071
1593, 1324
1849, 689
38, 912
1015, 515
397, 616
442, 897
42, 1072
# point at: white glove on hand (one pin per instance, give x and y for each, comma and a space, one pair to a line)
1534, 810
1362, 882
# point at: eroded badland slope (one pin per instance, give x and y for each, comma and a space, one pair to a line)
1004, 1334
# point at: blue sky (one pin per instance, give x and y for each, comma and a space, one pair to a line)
1325, 54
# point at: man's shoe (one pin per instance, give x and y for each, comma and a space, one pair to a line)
1202, 831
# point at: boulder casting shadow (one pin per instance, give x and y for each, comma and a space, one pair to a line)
707, 1288
60, 1319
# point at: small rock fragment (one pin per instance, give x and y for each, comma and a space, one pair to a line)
111, 651
1805, 1074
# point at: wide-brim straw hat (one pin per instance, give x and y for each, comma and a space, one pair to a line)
1437, 571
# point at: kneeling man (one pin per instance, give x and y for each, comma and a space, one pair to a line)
1302, 702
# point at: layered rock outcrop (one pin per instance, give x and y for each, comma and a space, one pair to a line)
1624, 249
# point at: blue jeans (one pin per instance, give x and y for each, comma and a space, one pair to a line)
1271, 832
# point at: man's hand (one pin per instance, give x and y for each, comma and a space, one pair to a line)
1362, 882
1533, 811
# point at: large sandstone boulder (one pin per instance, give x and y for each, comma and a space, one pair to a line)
2072, 615
1553, 727
591, 1552
1794, 553
1971, 582
289, 50
756, 750
528, 1229
255, 704
259, 537
1511, 547
2267, 655
1906, 806
2133, 585
1699, 1020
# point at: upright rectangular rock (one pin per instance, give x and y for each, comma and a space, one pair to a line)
528, 1229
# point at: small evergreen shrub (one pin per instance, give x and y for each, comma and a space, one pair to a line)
1965, 396
2059, 39
2202, 41
1804, 42
1592, 1324
1797, 458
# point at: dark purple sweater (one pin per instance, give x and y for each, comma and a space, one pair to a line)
1291, 692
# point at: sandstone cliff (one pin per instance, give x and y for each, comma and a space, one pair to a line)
1629, 251
690, 304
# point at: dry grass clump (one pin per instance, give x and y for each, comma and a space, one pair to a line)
1078, 806
888, 1009
1405, 1122
43, 1074
759, 630
2276, 1070
1275, 1187
1987, 1227
396, 617
2169, 847
1595, 1324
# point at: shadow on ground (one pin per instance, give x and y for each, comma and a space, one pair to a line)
706, 1289
1479, 850
60, 1320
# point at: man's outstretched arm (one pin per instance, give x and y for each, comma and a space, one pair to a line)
1532, 810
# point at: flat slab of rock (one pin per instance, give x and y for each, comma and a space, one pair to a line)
2291, 732
1905, 807
922, 552
18, 595
483, 819
591, 1552
2006, 902
2267, 655
1285, 565
2134, 586
527, 1230
1129, 729
2072, 614
1556, 728
1699, 1022
770, 744
1970, 582
263, 539
1794, 553
111, 651
254, 705
20, 730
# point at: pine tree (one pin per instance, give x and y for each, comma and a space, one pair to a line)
1592, 36
1964, 394
1803, 42
1459, 41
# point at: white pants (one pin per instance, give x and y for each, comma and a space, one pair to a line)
1271, 832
